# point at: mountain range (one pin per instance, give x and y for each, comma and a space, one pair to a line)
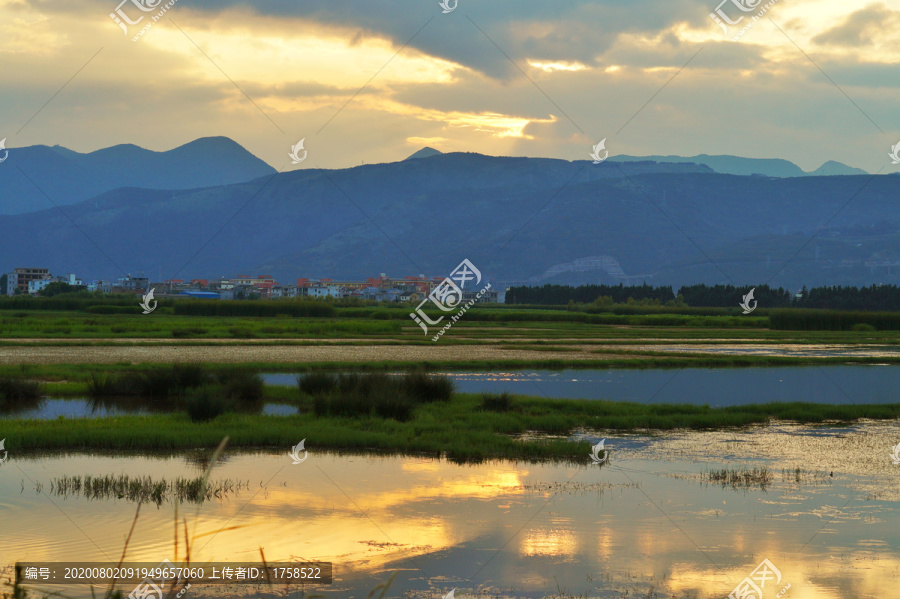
38, 177
735, 165
519, 220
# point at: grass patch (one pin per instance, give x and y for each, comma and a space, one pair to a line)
496, 402
17, 389
317, 383
361, 395
144, 489
458, 429
740, 478
206, 403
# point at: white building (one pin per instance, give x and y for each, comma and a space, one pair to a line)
38, 285
323, 291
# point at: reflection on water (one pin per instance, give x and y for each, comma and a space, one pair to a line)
647, 522
50, 409
697, 386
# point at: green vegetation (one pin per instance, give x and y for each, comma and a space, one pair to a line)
496, 402
167, 382
205, 403
362, 395
17, 393
18, 389
833, 320
254, 308
459, 428
874, 297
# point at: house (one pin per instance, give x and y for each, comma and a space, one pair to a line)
37, 285
21, 277
391, 295
101, 286
323, 291
129, 283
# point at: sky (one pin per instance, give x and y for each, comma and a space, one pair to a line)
371, 82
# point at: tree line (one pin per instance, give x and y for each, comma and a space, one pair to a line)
836, 297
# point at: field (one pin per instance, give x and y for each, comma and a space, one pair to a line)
64, 350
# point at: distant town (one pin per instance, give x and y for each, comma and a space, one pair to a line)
37, 281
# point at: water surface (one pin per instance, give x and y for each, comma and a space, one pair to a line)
646, 522
698, 386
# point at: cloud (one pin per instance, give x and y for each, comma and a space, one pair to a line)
862, 27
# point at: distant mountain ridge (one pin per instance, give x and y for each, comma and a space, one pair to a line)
58, 175
533, 220
736, 165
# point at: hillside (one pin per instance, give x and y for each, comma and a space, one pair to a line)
37, 177
518, 219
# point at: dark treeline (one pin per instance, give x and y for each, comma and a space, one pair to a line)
727, 296
872, 298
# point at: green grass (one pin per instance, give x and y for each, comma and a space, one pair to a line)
275, 319
458, 428
42, 324
496, 402
360, 395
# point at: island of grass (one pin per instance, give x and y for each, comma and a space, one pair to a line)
411, 414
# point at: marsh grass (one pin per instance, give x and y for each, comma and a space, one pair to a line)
17, 394
203, 393
427, 388
362, 395
496, 402
740, 478
241, 385
155, 382
18, 389
317, 383
198, 488
457, 429
144, 489
206, 403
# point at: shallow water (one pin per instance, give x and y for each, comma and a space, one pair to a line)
52, 408
698, 386
645, 521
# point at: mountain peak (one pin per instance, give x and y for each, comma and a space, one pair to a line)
837, 168
425, 152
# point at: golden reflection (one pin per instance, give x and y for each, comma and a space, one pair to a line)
547, 543
605, 542
370, 513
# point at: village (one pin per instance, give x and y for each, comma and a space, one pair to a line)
34, 281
